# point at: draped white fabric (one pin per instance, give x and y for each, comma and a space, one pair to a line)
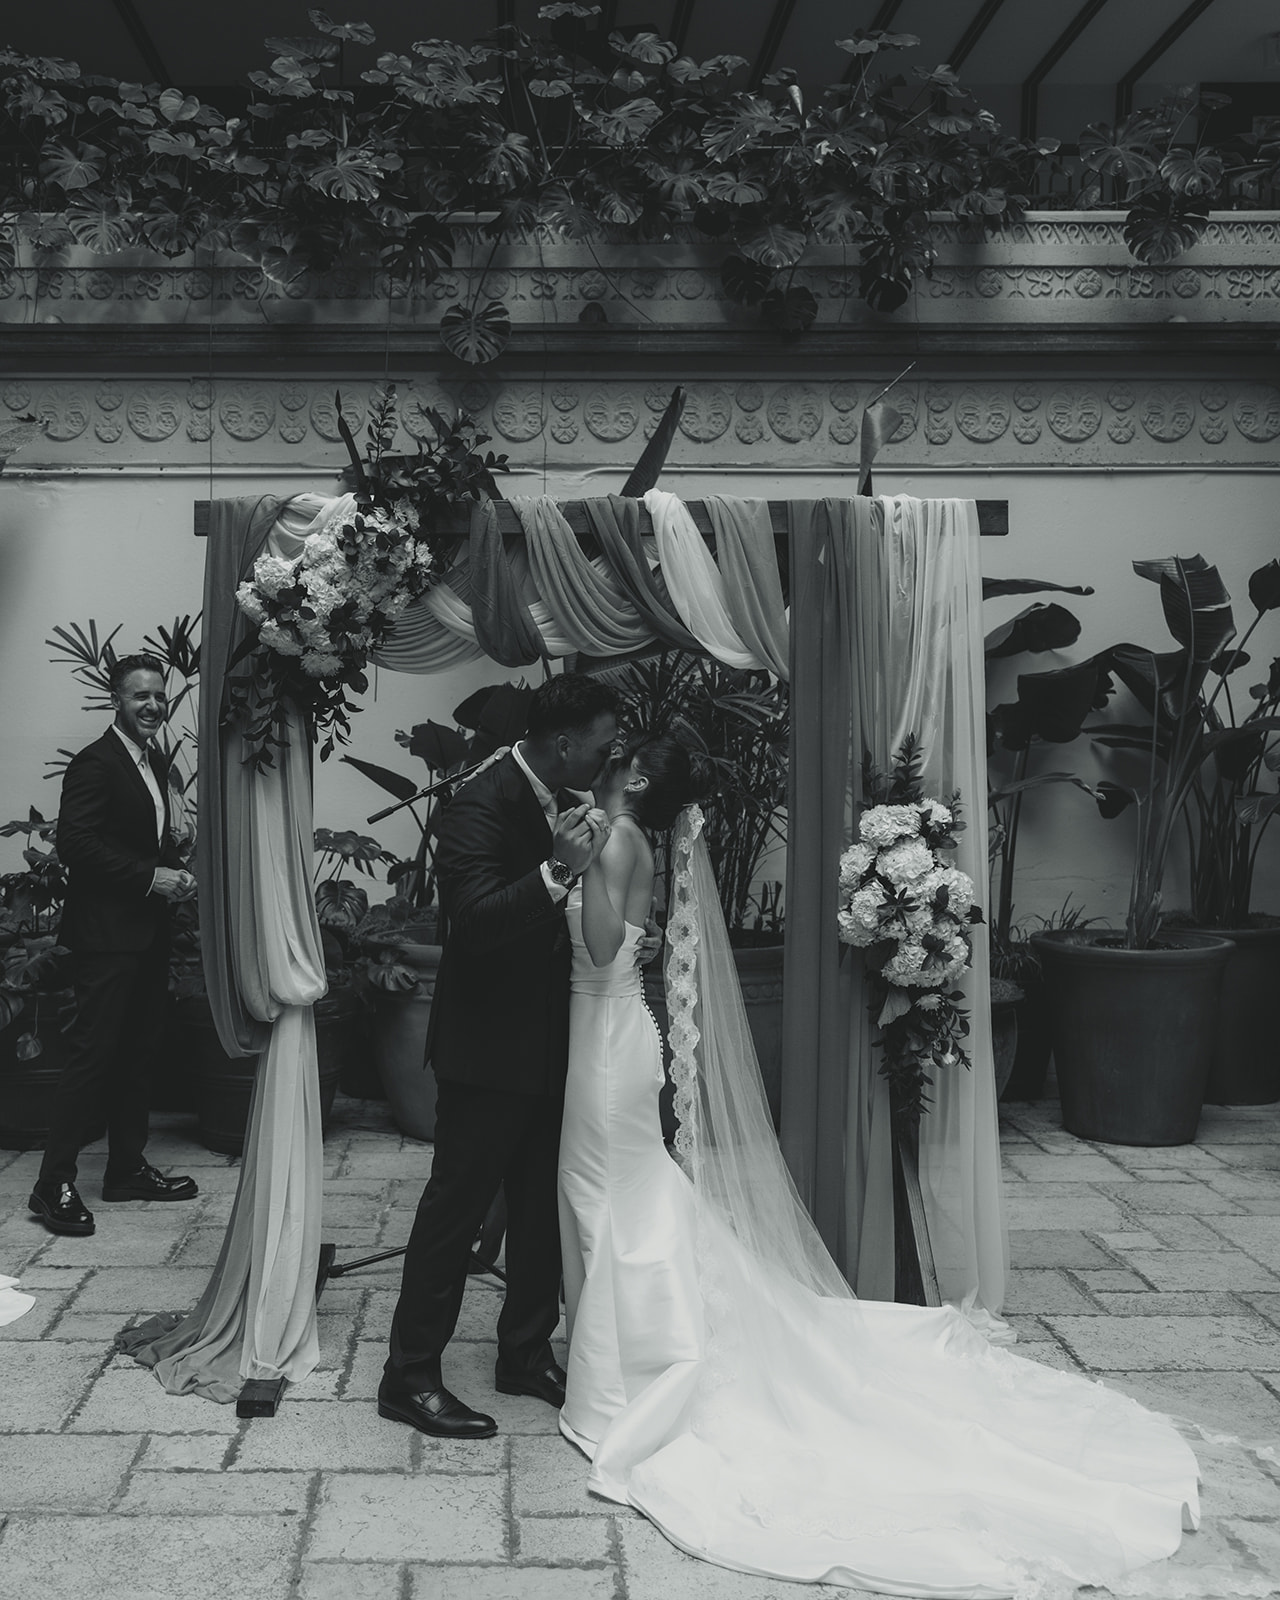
257, 1317
918, 668
694, 581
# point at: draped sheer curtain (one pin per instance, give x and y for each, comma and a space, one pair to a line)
264, 967
885, 641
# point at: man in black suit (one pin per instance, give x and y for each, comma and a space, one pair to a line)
511, 845
115, 840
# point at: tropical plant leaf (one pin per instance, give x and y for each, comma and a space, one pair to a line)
351, 175
646, 47
347, 32
1196, 604
74, 169
476, 334
734, 189
1113, 798
648, 469
1038, 628
1264, 587
101, 225
1160, 227
395, 783
774, 245
790, 310
991, 587
1195, 173
1123, 152
745, 282
442, 748
1254, 808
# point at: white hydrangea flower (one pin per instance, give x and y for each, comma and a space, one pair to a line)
279, 639
273, 573
935, 813
905, 862
321, 664
247, 598
855, 863
861, 916
881, 825
959, 887
904, 966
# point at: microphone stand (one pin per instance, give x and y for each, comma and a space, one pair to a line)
484, 1255
431, 788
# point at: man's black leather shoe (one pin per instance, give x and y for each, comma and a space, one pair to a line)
547, 1385
147, 1184
60, 1208
434, 1411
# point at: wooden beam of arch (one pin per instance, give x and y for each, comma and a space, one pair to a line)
1175, 30
993, 518
1030, 94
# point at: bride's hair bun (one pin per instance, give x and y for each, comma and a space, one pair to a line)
677, 777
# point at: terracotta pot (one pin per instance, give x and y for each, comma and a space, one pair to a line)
1133, 1032
399, 1044
224, 1084
1246, 1056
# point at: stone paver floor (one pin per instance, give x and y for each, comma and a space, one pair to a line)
1157, 1271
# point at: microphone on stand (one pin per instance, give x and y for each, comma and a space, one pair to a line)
431, 788
440, 783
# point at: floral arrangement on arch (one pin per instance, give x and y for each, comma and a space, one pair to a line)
317, 618
910, 912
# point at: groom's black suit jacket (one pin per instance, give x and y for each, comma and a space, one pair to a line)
500, 1015
107, 842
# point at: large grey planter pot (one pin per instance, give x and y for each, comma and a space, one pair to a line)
400, 1040
1246, 1055
224, 1084
1133, 1032
1004, 1034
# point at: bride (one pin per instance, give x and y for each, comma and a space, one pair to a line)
723, 1379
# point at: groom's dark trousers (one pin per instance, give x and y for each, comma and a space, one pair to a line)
498, 1043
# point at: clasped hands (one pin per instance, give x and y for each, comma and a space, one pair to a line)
174, 883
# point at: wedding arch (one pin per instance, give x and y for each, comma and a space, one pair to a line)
868, 606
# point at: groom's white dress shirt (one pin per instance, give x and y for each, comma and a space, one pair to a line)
551, 810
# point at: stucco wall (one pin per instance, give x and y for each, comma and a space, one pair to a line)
119, 548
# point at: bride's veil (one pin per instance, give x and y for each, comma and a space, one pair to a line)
726, 1141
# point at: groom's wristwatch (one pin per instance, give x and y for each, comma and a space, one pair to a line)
562, 873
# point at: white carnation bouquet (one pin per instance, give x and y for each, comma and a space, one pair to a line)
910, 912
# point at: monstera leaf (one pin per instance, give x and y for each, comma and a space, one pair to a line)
476, 335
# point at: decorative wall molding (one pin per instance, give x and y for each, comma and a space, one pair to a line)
579, 422
1055, 268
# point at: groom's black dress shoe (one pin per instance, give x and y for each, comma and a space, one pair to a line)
60, 1208
434, 1411
147, 1184
546, 1385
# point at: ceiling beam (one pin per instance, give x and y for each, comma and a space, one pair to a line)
1030, 96
143, 43
681, 17
1175, 30
772, 42
985, 16
887, 11
504, 13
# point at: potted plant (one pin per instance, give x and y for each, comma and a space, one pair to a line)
1049, 708
1229, 811
397, 941
738, 722
35, 991
1133, 1011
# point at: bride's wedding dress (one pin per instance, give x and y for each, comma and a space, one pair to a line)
722, 1379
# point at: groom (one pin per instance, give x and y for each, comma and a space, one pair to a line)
511, 846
